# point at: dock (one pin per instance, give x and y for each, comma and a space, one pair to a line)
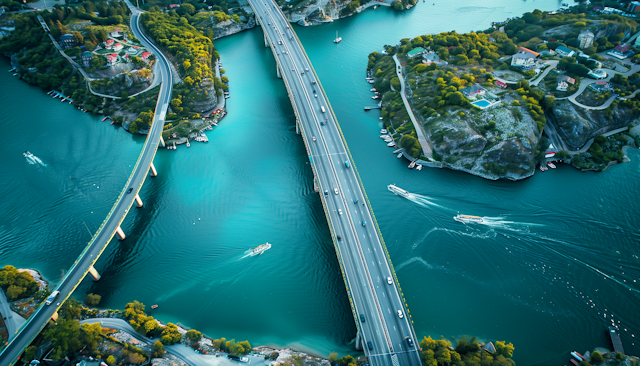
616, 342
366, 108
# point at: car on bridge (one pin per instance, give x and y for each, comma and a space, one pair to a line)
364, 223
370, 345
410, 341
362, 318
335, 190
389, 281
400, 314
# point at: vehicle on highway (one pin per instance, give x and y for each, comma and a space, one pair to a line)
323, 111
346, 163
400, 314
370, 346
301, 72
292, 38
130, 190
326, 193
52, 297
316, 95
314, 138
410, 341
389, 281
335, 190
313, 81
306, 69
362, 318
364, 223
339, 238
340, 211
279, 42
355, 201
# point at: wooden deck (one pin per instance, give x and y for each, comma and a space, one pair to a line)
615, 340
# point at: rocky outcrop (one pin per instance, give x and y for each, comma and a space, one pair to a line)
230, 27
577, 125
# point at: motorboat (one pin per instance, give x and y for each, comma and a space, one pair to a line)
397, 190
383, 131
412, 165
468, 218
418, 167
261, 248
373, 89
338, 39
399, 155
551, 165
391, 144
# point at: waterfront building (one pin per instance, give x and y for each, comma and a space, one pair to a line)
525, 58
67, 40
86, 58
145, 56
563, 83
586, 39
563, 51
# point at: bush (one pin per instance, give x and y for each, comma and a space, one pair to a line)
158, 350
595, 355
92, 299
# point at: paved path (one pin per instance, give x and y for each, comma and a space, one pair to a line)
12, 320
181, 351
585, 82
552, 65
426, 148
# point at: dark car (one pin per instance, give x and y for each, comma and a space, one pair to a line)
410, 341
339, 238
362, 318
130, 190
370, 345
326, 193
364, 223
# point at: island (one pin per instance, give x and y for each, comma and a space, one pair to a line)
502, 103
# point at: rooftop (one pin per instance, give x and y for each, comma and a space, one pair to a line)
415, 51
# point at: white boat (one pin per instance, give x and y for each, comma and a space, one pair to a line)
388, 139
399, 150
338, 39
261, 248
551, 165
27, 154
399, 155
188, 144
468, 218
391, 144
412, 165
374, 89
418, 167
383, 131
371, 81
383, 136
397, 190
375, 97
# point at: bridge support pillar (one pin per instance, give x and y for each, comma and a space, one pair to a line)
278, 72
297, 128
266, 43
358, 342
154, 172
54, 317
120, 233
162, 142
94, 273
316, 188
138, 201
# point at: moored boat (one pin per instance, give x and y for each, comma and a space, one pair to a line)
468, 218
551, 165
383, 131
153, 307
418, 167
399, 155
412, 165
391, 144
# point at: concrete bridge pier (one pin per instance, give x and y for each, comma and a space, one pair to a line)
154, 172
94, 273
138, 201
266, 43
316, 188
358, 342
162, 142
278, 72
120, 233
54, 317
297, 128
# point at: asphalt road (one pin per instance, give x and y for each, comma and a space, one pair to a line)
360, 249
108, 228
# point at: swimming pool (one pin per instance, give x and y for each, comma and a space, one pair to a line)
481, 104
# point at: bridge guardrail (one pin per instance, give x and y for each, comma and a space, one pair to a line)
384, 246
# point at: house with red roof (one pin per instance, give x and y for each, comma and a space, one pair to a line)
145, 56
112, 58
117, 47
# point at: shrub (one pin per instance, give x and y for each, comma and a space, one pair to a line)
595, 355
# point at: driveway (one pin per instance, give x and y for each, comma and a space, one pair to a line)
12, 320
552, 65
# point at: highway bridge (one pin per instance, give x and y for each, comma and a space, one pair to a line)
385, 331
111, 225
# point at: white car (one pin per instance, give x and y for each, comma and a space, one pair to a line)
400, 314
335, 190
306, 69
340, 211
389, 281
316, 95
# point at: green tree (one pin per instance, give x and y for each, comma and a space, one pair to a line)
158, 350
111, 360
194, 335
347, 361
596, 357
504, 349
333, 357
133, 127
562, 154
64, 336
29, 354
91, 335
92, 299
170, 334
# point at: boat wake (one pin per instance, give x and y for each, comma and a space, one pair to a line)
424, 201
501, 223
32, 159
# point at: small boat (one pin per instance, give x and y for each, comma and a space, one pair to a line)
399, 155
373, 89
105, 118
188, 144
367, 108
112, 122
468, 218
338, 39
381, 118
375, 7
27, 154
383, 136
551, 165
371, 81
383, 131
399, 150
261, 248
153, 307
375, 97
578, 356
368, 78
412, 165
397, 190
418, 167
391, 144
15, 74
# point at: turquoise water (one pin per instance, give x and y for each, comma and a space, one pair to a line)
481, 103
557, 253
